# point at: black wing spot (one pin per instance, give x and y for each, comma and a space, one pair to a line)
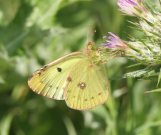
59, 69
57, 88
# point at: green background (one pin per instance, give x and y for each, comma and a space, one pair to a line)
36, 32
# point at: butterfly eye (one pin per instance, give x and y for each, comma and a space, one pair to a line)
59, 69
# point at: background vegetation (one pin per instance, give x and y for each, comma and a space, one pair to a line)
33, 33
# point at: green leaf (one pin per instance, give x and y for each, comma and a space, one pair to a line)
75, 14
155, 90
135, 74
5, 124
2, 80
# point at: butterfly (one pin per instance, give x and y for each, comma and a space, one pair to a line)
77, 78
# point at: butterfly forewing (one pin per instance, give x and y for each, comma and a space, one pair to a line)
51, 80
87, 87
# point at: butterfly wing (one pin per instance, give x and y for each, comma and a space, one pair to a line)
88, 86
51, 80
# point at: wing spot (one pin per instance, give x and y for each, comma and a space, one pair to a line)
50, 86
59, 69
57, 88
92, 97
85, 100
39, 73
43, 68
82, 85
99, 94
69, 79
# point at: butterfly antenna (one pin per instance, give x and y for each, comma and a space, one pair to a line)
89, 41
90, 33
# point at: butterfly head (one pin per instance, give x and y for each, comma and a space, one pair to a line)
89, 47
95, 54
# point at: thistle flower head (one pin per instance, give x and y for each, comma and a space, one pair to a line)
144, 51
113, 41
132, 7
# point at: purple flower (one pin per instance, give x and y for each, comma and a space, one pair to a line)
113, 41
131, 7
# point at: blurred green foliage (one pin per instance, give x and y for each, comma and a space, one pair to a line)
33, 33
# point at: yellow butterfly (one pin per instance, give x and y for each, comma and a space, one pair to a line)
76, 78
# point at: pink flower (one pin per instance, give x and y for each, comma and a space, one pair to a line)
113, 41
132, 7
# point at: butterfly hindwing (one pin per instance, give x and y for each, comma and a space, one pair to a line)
87, 86
51, 80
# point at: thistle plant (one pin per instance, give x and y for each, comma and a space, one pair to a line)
145, 51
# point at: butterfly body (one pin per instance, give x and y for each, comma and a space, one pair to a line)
76, 78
